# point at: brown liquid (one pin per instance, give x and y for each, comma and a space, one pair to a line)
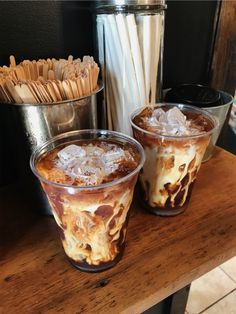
92, 222
171, 164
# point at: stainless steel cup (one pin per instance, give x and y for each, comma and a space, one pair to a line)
220, 112
34, 124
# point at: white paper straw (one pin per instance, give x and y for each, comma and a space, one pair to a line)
131, 55
136, 55
110, 103
101, 57
147, 46
157, 30
112, 74
139, 21
129, 66
124, 85
100, 38
123, 90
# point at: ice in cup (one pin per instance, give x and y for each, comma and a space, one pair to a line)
89, 178
174, 138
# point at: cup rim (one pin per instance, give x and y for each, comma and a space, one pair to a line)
180, 106
228, 103
221, 92
38, 151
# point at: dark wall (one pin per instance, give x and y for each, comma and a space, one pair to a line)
189, 35
41, 29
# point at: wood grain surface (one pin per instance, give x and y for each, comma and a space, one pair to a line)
162, 254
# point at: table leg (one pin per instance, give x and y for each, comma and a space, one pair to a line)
174, 304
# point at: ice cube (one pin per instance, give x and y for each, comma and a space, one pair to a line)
70, 152
69, 156
66, 165
110, 168
171, 122
152, 121
170, 130
114, 155
90, 170
94, 151
175, 116
158, 113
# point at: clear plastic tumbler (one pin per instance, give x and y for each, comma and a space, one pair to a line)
172, 161
92, 220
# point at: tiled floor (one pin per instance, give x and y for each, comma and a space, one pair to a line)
215, 292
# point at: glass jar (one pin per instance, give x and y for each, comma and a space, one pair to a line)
130, 50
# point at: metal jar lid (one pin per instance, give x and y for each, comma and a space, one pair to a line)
109, 3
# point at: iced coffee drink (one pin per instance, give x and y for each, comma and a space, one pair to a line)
89, 178
174, 138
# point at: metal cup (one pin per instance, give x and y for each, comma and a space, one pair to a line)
34, 124
220, 112
216, 102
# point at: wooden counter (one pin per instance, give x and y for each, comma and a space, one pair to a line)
162, 254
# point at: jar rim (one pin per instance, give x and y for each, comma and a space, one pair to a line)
140, 4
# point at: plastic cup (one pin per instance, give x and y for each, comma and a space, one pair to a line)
172, 163
92, 220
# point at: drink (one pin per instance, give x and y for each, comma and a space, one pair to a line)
89, 178
174, 138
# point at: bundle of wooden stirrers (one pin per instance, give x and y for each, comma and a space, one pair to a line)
47, 81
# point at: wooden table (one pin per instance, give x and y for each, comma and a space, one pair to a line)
162, 255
